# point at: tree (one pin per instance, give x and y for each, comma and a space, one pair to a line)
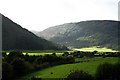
14, 54
79, 75
54, 54
7, 71
104, 72
21, 67
65, 54
116, 71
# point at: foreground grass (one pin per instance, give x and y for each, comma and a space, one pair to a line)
61, 71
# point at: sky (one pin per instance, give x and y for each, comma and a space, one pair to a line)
40, 14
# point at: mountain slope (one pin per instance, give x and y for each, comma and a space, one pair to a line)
14, 37
103, 33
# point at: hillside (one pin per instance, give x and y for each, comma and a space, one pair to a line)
14, 37
102, 33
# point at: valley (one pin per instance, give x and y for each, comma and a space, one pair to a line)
87, 49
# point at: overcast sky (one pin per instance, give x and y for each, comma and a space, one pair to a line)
41, 14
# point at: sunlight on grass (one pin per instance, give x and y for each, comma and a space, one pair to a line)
61, 71
37, 54
91, 49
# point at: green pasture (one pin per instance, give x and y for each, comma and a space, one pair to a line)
43, 52
89, 49
94, 48
61, 71
37, 54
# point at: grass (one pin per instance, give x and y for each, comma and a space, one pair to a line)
31, 54
94, 48
43, 52
60, 52
61, 71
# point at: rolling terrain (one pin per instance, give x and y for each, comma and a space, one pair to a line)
100, 33
90, 67
47, 59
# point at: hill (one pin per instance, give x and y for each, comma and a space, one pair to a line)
14, 37
101, 33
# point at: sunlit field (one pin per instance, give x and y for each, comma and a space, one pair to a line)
36, 54
91, 49
49, 68
61, 71
44, 52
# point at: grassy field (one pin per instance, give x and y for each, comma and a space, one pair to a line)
94, 48
33, 53
90, 49
61, 71
43, 52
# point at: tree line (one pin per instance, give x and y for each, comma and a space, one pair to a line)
16, 64
105, 71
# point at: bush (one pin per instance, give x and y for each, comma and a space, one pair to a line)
41, 66
7, 71
39, 60
21, 67
36, 78
67, 60
116, 71
4, 54
14, 54
79, 75
65, 54
104, 71
108, 71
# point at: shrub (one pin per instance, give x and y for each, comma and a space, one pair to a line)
65, 54
67, 59
79, 75
36, 78
21, 67
41, 66
39, 60
116, 71
7, 71
4, 54
104, 71
108, 71
54, 54
14, 54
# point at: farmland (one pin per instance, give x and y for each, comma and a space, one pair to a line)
61, 71
88, 49
25, 65
94, 48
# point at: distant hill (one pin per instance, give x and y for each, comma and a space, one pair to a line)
14, 37
102, 33
35, 32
